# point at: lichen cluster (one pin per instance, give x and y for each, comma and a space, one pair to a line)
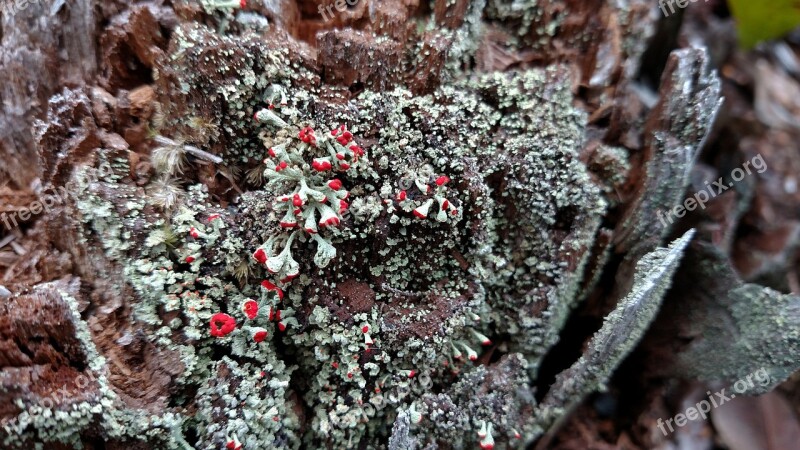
383, 250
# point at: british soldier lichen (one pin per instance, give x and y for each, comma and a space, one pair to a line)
313, 200
351, 313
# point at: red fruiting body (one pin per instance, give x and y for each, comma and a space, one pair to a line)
340, 156
411, 374
250, 309
271, 152
335, 365
445, 204
307, 135
487, 446
473, 357
321, 165
212, 217
230, 445
243, 4
261, 256
332, 221
442, 180
190, 259
344, 166
222, 324
401, 196
419, 214
259, 336
365, 329
282, 326
486, 342
349, 375
282, 165
288, 224
193, 233
271, 287
335, 184
357, 150
297, 200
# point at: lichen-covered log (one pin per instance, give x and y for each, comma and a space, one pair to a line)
284, 230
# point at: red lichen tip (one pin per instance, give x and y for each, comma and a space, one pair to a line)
297, 200
250, 309
335, 184
442, 180
411, 374
190, 259
260, 255
260, 335
193, 233
212, 217
243, 4
321, 165
357, 150
401, 196
365, 329
222, 324
271, 287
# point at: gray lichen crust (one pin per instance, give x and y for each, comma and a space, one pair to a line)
354, 271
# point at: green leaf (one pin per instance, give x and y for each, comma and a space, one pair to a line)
761, 20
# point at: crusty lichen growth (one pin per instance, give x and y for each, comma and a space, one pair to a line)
469, 223
459, 231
